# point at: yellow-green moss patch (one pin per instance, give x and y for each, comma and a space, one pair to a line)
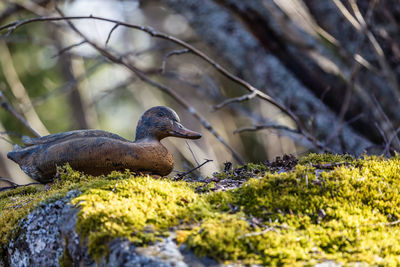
349, 214
314, 158
17, 203
300, 217
139, 209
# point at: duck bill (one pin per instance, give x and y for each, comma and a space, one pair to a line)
180, 131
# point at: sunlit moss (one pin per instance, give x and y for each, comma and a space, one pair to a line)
314, 158
298, 217
138, 209
347, 214
17, 203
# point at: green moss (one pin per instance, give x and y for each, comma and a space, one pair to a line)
245, 172
314, 158
345, 215
252, 167
140, 209
349, 214
299, 217
17, 203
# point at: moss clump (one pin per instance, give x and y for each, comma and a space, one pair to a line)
299, 217
14, 205
304, 217
313, 158
244, 172
139, 209
349, 213
17, 203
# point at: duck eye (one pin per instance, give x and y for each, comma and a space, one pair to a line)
160, 114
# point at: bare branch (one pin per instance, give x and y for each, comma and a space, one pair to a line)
65, 49
166, 56
361, 25
66, 87
191, 151
182, 175
6, 105
389, 128
15, 185
381, 132
8, 181
350, 86
235, 99
310, 138
266, 126
9, 133
389, 142
14, 25
107, 92
267, 229
111, 31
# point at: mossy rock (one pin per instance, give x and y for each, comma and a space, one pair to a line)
348, 213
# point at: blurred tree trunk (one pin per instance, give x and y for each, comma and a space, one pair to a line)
3, 169
311, 76
15, 7
78, 116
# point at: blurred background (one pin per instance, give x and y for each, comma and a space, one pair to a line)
333, 63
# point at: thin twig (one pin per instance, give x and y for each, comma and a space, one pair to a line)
330, 166
266, 126
107, 92
16, 186
377, 48
380, 224
8, 181
6, 105
266, 230
389, 125
65, 49
191, 151
68, 86
172, 53
111, 31
341, 125
389, 142
182, 175
382, 132
235, 99
361, 25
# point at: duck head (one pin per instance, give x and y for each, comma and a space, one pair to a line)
160, 122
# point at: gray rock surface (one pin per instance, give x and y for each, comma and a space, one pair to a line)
39, 242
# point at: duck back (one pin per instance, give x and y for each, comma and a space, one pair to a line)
92, 155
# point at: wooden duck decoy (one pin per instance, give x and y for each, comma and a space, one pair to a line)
99, 152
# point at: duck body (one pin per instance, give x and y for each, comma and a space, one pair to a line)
93, 155
97, 152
